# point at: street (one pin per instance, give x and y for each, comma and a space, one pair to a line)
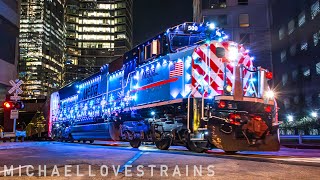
57, 160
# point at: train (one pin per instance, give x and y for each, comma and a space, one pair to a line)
188, 86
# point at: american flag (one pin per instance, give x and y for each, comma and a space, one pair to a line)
176, 69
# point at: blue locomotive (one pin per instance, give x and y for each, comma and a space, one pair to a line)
188, 86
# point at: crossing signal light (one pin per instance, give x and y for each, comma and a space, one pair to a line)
19, 105
8, 105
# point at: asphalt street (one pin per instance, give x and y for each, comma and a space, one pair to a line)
111, 160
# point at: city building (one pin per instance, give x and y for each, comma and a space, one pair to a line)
98, 31
42, 43
245, 21
296, 57
9, 34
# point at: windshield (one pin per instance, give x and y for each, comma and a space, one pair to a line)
179, 41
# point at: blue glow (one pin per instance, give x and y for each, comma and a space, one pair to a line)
152, 113
252, 58
220, 39
212, 26
253, 79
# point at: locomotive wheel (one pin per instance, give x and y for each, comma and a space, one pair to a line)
135, 143
164, 144
198, 147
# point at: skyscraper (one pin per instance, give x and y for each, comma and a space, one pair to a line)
98, 31
245, 21
42, 44
296, 57
9, 33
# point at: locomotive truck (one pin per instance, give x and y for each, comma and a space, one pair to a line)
187, 86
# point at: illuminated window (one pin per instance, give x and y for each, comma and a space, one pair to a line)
282, 33
304, 46
316, 38
315, 9
284, 79
301, 19
283, 55
286, 103
155, 47
295, 74
318, 68
306, 71
244, 20
291, 26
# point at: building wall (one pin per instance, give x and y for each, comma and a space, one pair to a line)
296, 56
42, 44
247, 22
9, 33
97, 33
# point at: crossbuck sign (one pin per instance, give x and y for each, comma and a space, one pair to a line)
15, 89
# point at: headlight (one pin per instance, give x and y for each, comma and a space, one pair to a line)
269, 94
233, 53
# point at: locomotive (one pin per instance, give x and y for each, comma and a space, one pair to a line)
187, 86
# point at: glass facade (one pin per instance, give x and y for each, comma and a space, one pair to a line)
98, 31
42, 44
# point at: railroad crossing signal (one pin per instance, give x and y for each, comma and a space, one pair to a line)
15, 86
15, 97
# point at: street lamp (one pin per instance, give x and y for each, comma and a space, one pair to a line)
290, 118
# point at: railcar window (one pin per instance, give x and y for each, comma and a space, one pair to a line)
179, 41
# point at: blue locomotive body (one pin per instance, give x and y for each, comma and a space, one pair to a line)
168, 90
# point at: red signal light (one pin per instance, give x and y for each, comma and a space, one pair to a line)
8, 105
269, 75
222, 104
268, 109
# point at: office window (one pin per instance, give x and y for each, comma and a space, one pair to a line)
245, 38
296, 99
295, 75
284, 79
244, 20
301, 19
283, 55
293, 50
308, 100
315, 9
282, 33
291, 26
223, 20
242, 2
286, 103
306, 71
304, 46
214, 4
318, 68
316, 37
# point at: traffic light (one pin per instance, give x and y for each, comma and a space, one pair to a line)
8, 105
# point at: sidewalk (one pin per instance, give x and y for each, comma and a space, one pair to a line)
302, 146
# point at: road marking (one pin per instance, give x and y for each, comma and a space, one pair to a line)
128, 163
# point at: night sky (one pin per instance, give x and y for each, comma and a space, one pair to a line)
153, 16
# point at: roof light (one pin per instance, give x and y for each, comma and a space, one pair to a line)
212, 26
